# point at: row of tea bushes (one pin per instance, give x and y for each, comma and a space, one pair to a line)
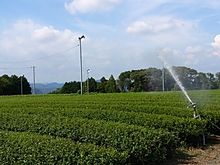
142, 144
31, 148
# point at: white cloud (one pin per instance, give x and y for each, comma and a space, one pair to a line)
27, 35
48, 36
145, 27
26, 43
179, 58
158, 24
195, 49
85, 6
216, 45
190, 56
45, 34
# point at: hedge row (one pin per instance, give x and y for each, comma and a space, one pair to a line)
142, 144
31, 148
188, 130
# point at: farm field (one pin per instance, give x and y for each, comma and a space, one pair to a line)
119, 128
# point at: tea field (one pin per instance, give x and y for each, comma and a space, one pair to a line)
119, 128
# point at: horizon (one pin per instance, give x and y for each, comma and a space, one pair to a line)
51, 82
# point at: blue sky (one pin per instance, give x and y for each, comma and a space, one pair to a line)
121, 35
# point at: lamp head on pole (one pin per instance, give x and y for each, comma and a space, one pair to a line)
81, 37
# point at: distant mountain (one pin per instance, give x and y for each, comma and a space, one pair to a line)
44, 88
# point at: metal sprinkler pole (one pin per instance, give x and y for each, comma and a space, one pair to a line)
195, 117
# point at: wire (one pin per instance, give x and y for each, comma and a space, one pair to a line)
42, 57
17, 68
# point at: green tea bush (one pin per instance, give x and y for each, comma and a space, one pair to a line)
142, 144
31, 148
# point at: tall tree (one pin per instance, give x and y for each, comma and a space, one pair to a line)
7, 90
25, 85
4, 85
201, 81
212, 83
139, 81
92, 84
154, 79
186, 75
111, 85
218, 79
101, 85
169, 82
124, 81
13, 85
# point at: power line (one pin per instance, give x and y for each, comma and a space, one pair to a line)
43, 57
17, 68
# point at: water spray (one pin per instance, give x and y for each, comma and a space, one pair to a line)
192, 104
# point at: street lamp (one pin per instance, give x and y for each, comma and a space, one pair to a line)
88, 70
80, 52
34, 89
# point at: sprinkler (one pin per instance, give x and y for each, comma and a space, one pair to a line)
194, 107
200, 116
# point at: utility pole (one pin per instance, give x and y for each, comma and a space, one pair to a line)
34, 91
21, 86
80, 53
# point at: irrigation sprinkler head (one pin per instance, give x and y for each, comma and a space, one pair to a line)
192, 105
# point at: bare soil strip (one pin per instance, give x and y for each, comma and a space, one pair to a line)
205, 155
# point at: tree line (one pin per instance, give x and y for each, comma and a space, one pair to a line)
90, 85
143, 80
146, 80
14, 85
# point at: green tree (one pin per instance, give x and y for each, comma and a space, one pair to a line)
169, 82
101, 85
186, 76
212, 81
92, 85
25, 85
154, 79
70, 87
124, 81
7, 90
201, 81
111, 85
139, 81
12, 85
57, 91
4, 84
218, 79
15, 85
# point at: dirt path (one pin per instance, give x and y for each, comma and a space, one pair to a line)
207, 155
